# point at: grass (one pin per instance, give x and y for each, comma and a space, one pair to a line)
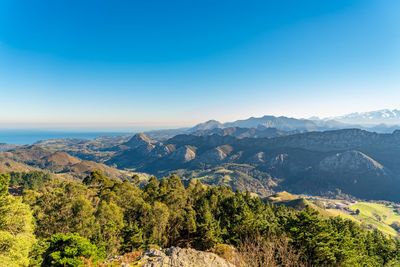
296, 202
282, 196
342, 214
372, 215
378, 215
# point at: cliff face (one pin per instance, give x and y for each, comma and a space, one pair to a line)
351, 161
180, 257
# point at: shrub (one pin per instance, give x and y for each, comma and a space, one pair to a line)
70, 250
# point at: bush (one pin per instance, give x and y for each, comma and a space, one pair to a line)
70, 250
228, 253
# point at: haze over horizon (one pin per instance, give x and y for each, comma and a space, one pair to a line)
104, 65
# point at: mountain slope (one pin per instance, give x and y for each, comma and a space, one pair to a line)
352, 160
35, 157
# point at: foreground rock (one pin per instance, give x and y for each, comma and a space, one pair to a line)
180, 257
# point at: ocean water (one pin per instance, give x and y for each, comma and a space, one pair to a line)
27, 137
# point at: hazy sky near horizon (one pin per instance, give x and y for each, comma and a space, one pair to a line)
121, 64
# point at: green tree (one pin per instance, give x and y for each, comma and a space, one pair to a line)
4, 182
29, 180
133, 237
151, 189
190, 225
173, 194
63, 207
157, 224
16, 228
313, 237
208, 229
70, 250
110, 218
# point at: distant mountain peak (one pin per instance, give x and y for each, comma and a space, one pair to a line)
382, 116
140, 139
208, 125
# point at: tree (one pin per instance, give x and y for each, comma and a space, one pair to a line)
110, 218
99, 182
114, 217
82, 220
133, 237
70, 250
16, 228
173, 194
4, 182
157, 223
135, 180
151, 189
313, 237
208, 229
190, 222
63, 207
29, 180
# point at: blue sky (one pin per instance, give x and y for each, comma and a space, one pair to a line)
121, 64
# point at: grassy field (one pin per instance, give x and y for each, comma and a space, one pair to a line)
378, 215
371, 214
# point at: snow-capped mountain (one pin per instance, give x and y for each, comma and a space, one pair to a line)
384, 116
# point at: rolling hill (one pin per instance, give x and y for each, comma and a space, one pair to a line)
35, 157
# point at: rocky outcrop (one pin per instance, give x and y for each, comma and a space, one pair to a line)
350, 161
258, 158
216, 155
180, 257
183, 154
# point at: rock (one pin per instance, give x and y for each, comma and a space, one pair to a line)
355, 161
181, 257
183, 154
216, 155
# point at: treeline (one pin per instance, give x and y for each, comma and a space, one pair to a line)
89, 221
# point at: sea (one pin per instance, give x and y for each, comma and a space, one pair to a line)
28, 137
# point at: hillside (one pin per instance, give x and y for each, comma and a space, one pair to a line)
36, 157
9, 165
384, 216
349, 160
297, 202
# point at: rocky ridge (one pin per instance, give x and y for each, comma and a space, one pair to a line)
181, 257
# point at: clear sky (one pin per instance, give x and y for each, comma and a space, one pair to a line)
121, 64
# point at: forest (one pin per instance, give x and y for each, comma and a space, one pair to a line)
50, 221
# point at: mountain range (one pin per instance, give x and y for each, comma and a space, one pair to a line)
384, 116
353, 161
382, 121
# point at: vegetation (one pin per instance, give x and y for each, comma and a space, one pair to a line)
380, 216
66, 250
16, 228
87, 222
